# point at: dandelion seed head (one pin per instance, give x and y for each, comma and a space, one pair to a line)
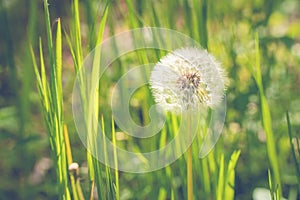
187, 78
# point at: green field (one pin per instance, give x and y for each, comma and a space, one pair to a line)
45, 44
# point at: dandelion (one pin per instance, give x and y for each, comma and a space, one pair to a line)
186, 78
73, 167
182, 81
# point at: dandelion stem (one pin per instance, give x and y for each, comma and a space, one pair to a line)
190, 173
189, 163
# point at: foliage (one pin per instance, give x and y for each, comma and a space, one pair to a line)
259, 142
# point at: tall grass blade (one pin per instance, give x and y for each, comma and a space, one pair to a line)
230, 176
27, 72
297, 166
109, 184
48, 32
117, 187
266, 119
102, 24
77, 35
46, 95
52, 102
202, 28
221, 179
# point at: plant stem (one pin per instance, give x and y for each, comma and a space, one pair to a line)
189, 163
190, 173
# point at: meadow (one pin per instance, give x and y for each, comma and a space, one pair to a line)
44, 47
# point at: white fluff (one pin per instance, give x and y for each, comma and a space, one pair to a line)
186, 78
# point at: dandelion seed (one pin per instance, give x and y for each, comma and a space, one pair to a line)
186, 78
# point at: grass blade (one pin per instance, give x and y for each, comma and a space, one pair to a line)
297, 166
266, 119
230, 176
77, 34
48, 32
221, 181
117, 188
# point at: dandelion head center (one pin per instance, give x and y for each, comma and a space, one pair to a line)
191, 85
189, 81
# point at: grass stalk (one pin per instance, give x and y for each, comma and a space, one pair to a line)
108, 179
205, 175
91, 103
117, 187
230, 176
297, 166
27, 76
266, 120
52, 102
202, 28
77, 35
221, 181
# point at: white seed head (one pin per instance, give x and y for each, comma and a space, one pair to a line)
73, 166
186, 78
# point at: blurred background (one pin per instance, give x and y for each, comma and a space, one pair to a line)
26, 167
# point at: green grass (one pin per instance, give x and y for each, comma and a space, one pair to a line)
259, 141
266, 120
